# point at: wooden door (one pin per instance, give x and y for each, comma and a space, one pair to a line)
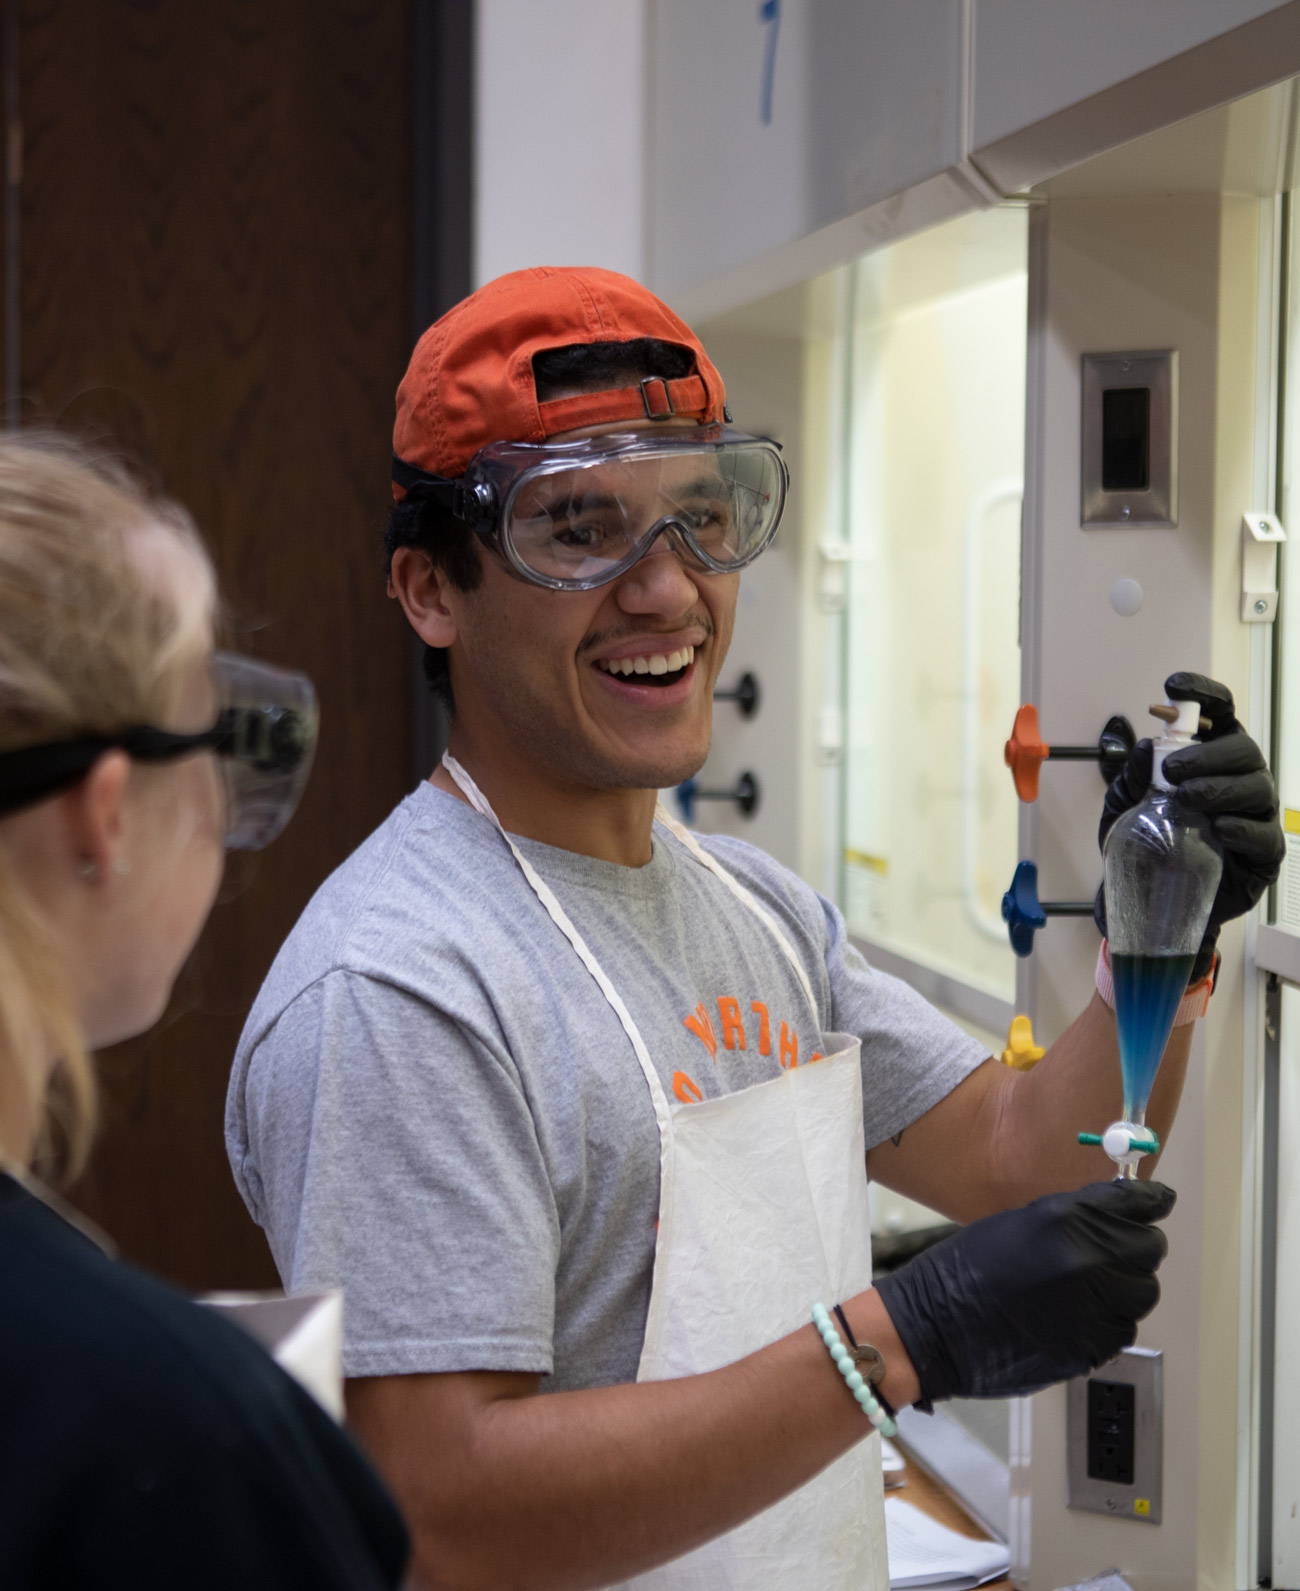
214, 267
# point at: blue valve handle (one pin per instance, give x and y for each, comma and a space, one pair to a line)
1023, 912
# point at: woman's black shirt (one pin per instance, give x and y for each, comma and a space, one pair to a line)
145, 1442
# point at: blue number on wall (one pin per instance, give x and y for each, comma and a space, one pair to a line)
769, 14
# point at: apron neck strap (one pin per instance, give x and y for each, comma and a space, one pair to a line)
561, 919
739, 891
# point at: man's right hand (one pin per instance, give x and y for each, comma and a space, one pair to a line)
1020, 1300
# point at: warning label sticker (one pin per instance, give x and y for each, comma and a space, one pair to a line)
1288, 887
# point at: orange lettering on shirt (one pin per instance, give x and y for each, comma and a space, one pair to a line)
700, 1025
789, 1047
815, 1056
732, 1027
764, 1032
687, 1089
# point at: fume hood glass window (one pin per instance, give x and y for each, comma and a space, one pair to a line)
933, 467
1285, 899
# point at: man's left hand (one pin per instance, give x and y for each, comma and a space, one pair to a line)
1223, 775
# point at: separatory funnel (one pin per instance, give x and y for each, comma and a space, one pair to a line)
1162, 869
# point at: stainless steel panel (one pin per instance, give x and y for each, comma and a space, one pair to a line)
1158, 504
1143, 1369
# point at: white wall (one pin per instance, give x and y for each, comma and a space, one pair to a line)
560, 93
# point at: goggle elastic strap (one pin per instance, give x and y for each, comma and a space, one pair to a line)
264, 737
34, 772
471, 502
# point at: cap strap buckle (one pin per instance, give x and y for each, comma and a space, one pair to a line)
667, 409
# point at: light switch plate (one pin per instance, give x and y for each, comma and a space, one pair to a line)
1156, 503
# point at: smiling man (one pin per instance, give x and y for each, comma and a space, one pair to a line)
570, 1101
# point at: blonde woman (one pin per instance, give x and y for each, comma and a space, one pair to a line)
142, 1441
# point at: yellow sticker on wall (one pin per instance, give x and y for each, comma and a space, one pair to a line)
1288, 890
1141, 1505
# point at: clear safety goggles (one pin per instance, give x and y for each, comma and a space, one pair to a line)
575, 515
264, 739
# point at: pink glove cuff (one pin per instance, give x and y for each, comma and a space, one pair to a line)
1194, 1004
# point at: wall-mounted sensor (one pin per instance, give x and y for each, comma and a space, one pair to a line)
1130, 439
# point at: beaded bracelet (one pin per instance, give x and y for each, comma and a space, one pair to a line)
853, 1377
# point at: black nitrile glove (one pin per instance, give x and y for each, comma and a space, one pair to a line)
1225, 776
1020, 1300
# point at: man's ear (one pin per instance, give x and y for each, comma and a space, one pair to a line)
93, 815
428, 598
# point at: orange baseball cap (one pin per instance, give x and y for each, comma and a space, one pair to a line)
470, 379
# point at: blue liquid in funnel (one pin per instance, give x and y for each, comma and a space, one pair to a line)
1147, 992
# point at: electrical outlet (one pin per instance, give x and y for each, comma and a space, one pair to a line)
1111, 1430
1115, 1438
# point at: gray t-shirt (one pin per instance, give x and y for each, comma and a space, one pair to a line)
434, 1107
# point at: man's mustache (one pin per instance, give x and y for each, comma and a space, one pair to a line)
603, 638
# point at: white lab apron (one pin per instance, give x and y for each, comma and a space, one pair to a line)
762, 1213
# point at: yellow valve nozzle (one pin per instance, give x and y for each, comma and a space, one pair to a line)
1021, 1052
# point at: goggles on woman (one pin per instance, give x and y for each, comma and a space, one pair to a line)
575, 515
264, 738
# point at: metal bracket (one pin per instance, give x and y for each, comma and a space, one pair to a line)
832, 587
1261, 535
830, 734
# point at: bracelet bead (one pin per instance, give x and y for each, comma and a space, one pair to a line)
853, 1377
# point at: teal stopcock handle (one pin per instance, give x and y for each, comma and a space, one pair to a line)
1123, 1138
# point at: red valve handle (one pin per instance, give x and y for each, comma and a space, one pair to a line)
1025, 753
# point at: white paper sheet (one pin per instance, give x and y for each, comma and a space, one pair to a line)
892, 1464
925, 1553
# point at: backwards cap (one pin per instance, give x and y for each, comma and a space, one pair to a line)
470, 379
